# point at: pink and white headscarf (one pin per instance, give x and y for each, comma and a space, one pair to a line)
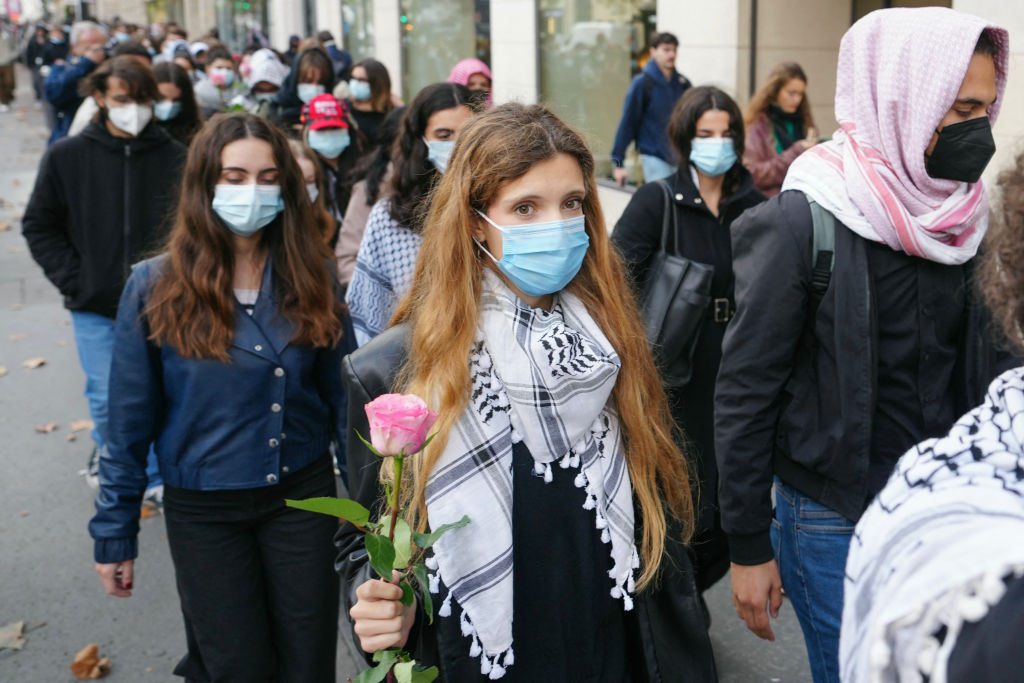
467, 67
899, 73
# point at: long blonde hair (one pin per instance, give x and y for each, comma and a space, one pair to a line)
443, 305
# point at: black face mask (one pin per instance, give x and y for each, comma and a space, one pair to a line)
962, 151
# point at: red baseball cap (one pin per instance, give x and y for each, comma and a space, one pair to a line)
324, 111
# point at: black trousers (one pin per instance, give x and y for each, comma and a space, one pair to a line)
256, 580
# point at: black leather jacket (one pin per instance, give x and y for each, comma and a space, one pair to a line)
674, 635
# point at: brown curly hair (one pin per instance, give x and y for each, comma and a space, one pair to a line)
1002, 272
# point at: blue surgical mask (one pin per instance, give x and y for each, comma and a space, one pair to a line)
439, 152
165, 110
360, 90
58, 41
122, 37
541, 258
246, 209
307, 91
329, 143
313, 191
264, 96
712, 156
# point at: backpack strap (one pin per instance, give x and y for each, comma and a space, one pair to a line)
823, 255
648, 86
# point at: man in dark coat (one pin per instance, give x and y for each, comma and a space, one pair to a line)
61, 86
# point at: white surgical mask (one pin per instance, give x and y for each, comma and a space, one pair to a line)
130, 118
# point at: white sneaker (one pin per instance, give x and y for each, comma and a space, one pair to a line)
4, 108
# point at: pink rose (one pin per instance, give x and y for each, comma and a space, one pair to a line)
399, 422
217, 79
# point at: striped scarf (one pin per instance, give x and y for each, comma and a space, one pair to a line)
899, 73
543, 378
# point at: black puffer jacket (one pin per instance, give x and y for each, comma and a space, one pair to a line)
100, 204
673, 638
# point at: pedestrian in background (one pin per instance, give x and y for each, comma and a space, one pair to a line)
842, 356
34, 56
88, 108
340, 58
338, 147
266, 75
311, 75
475, 75
176, 109
222, 85
370, 98
704, 197
779, 127
649, 103
391, 242
9, 53
521, 328
61, 86
374, 175
228, 355
100, 202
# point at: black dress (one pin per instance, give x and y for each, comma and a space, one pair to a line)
704, 238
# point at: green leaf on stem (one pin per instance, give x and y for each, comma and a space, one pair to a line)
407, 595
382, 555
403, 540
426, 442
411, 672
426, 540
344, 508
385, 660
419, 570
369, 445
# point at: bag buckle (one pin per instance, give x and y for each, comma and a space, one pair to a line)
722, 311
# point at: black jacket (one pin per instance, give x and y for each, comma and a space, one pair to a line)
100, 204
674, 635
796, 390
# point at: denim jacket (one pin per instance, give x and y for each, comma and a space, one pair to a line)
270, 411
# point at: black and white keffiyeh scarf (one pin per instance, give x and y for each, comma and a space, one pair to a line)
933, 548
543, 378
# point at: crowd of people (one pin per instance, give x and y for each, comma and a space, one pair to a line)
254, 246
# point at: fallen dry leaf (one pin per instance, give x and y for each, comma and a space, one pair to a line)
33, 363
4, 227
70, 437
14, 250
81, 425
3, 371
10, 636
16, 182
47, 428
16, 337
88, 664
16, 307
25, 513
62, 342
148, 511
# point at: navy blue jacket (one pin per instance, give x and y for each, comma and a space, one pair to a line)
270, 411
648, 128
61, 90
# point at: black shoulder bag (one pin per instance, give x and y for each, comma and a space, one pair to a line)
676, 295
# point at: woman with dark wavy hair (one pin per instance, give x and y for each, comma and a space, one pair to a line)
391, 243
227, 356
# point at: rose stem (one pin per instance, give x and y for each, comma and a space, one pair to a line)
399, 459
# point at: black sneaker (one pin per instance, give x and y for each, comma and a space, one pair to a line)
92, 469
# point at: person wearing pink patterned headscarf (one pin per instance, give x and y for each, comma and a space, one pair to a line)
855, 334
475, 75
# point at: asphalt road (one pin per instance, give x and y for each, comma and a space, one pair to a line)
46, 571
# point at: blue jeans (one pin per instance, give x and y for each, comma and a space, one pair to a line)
94, 337
811, 542
655, 168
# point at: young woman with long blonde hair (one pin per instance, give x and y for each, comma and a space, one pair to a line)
554, 434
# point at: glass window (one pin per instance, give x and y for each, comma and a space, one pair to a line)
241, 23
590, 50
357, 27
436, 34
